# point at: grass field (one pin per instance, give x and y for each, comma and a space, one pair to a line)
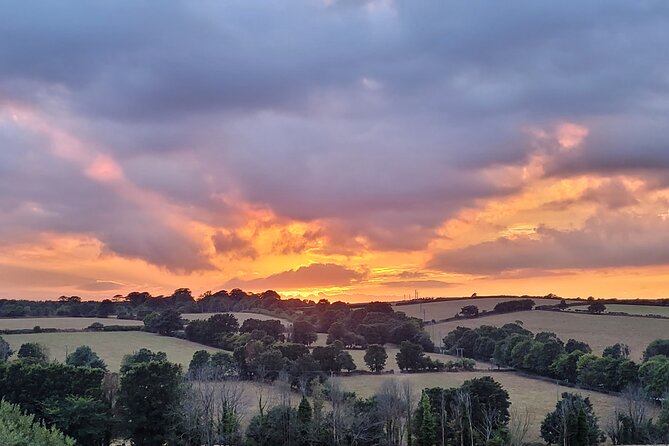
638, 309
111, 346
539, 397
241, 317
449, 308
77, 323
599, 331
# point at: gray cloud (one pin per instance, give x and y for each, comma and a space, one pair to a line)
312, 276
233, 245
376, 122
606, 240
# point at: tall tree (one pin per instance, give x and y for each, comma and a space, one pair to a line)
572, 423
149, 394
304, 332
425, 426
375, 358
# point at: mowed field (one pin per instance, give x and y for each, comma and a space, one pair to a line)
638, 309
241, 317
112, 346
77, 323
539, 397
599, 331
449, 308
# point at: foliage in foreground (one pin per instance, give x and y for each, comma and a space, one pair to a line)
18, 429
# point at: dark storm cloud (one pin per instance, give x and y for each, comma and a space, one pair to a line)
376, 117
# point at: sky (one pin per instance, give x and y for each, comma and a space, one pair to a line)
340, 149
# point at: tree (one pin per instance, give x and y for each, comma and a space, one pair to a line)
148, 397
165, 323
84, 356
657, 347
304, 412
336, 332
268, 364
565, 366
105, 308
573, 345
654, 376
425, 426
141, 356
345, 361
84, 418
629, 423
209, 414
375, 358
519, 426
304, 332
280, 426
617, 351
410, 357
19, 429
200, 359
33, 352
596, 308
5, 350
572, 423
470, 311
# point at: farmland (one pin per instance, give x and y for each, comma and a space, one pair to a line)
241, 317
448, 308
638, 309
80, 323
599, 331
111, 346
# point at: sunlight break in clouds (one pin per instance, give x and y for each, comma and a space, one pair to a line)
346, 150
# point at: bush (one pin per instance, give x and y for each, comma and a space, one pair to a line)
19, 429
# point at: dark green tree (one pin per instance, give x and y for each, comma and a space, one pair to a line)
425, 425
165, 323
470, 311
375, 358
565, 366
411, 357
617, 351
596, 308
84, 356
148, 397
304, 332
654, 376
140, 356
304, 412
200, 360
84, 418
33, 352
572, 423
657, 347
573, 345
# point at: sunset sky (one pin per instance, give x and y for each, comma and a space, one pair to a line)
344, 149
